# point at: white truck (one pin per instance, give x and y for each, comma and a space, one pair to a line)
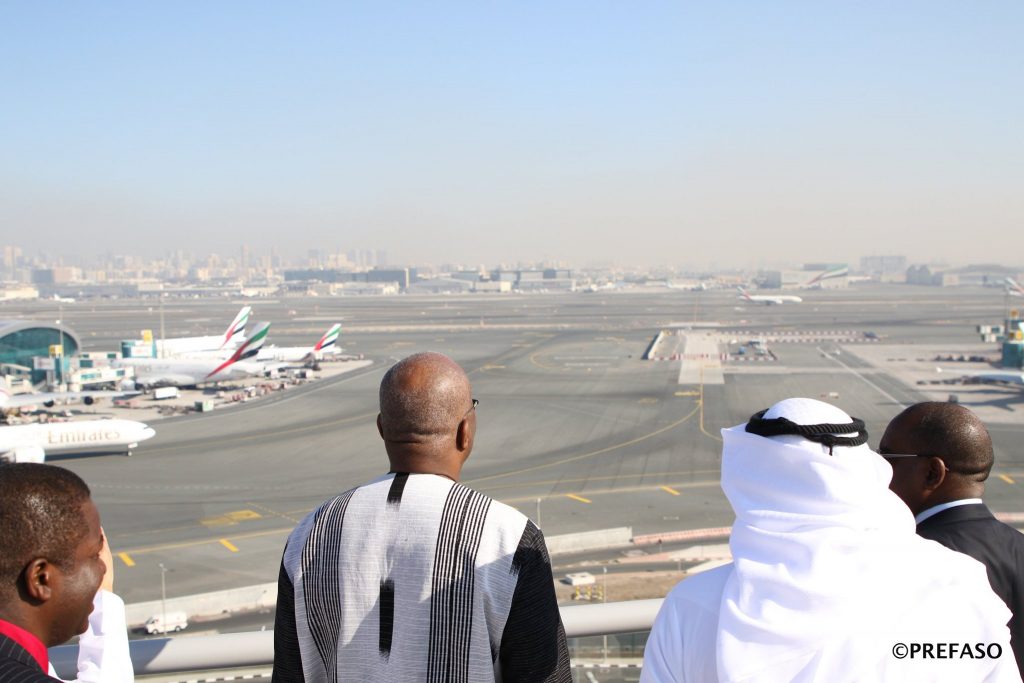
166, 623
161, 393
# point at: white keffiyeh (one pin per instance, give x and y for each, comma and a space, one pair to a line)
829, 573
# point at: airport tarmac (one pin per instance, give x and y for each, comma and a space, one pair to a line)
574, 428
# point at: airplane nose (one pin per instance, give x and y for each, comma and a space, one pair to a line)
147, 433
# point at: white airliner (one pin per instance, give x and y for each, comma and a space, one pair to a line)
686, 286
994, 376
815, 282
768, 299
32, 443
297, 354
232, 337
187, 372
9, 401
1013, 288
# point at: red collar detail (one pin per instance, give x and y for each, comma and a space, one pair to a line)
32, 645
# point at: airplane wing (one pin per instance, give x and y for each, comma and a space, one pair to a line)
165, 379
1003, 377
48, 399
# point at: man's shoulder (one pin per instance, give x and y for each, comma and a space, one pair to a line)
16, 664
703, 590
503, 512
970, 522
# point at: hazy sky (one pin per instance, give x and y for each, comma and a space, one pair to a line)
725, 133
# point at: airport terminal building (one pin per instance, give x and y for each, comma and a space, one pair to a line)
23, 340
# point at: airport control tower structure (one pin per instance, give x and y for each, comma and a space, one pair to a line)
1013, 341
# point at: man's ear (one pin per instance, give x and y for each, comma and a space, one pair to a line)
39, 576
464, 435
380, 426
936, 474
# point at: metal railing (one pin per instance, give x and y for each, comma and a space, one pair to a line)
253, 649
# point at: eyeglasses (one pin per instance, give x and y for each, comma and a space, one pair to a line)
893, 456
476, 402
889, 456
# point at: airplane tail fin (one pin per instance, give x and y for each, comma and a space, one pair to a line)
841, 271
1013, 287
249, 348
236, 330
743, 293
329, 339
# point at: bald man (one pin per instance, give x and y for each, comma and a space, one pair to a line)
413, 576
941, 454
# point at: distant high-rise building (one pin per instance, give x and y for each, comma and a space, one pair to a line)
878, 266
12, 257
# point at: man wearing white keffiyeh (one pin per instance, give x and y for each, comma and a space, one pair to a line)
829, 580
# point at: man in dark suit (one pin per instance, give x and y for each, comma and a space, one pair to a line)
50, 565
941, 455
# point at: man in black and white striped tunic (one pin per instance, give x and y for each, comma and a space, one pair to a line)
413, 576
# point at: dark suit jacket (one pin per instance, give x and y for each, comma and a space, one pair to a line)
972, 530
17, 665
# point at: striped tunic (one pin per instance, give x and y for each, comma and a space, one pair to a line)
417, 578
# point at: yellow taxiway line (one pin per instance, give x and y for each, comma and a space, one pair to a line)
579, 498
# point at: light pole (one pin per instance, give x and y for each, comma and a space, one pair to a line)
538, 513
604, 600
163, 595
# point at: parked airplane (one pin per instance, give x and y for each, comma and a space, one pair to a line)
768, 299
232, 337
1013, 288
297, 354
9, 401
994, 376
187, 372
686, 286
32, 443
831, 274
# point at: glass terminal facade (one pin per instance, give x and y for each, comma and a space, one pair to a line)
20, 346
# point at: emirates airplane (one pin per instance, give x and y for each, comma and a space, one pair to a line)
187, 372
232, 337
768, 299
32, 443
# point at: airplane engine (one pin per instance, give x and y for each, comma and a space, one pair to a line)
88, 400
25, 454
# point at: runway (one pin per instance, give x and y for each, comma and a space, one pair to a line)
573, 427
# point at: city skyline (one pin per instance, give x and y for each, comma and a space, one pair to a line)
675, 134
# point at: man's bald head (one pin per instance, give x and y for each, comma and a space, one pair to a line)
423, 398
949, 431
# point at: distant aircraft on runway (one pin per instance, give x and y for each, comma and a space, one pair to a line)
231, 339
32, 443
187, 372
9, 401
768, 299
299, 354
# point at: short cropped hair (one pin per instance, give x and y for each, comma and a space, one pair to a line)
423, 396
40, 516
952, 432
